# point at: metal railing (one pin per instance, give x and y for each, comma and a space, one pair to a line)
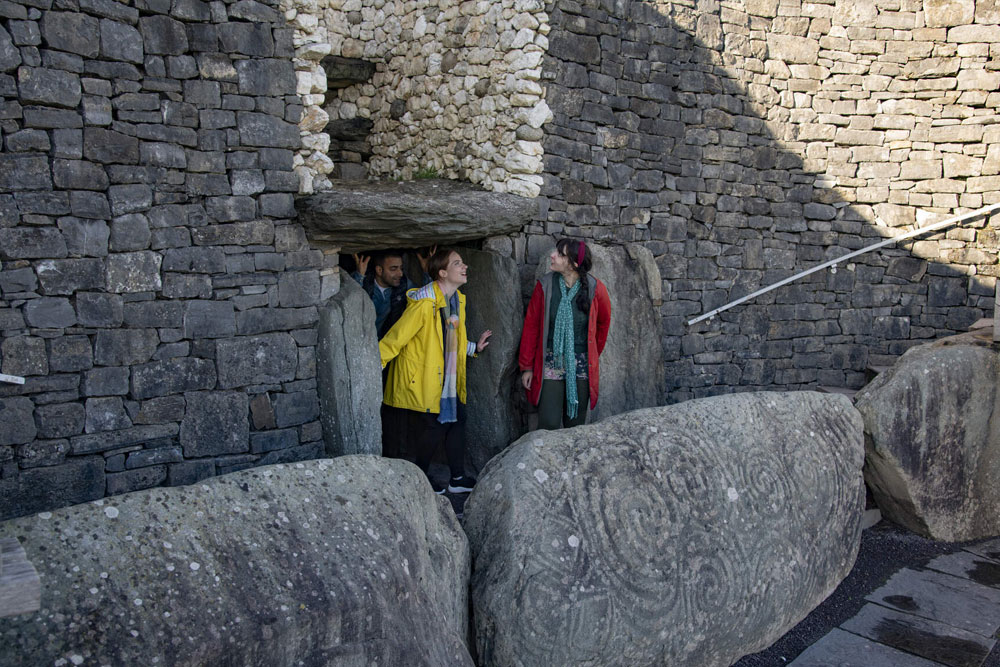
833, 262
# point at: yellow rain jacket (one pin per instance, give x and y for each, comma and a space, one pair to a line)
415, 380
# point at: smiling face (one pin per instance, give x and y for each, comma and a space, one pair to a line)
455, 271
389, 273
559, 263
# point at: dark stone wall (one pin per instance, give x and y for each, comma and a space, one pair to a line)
155, 291
670, 130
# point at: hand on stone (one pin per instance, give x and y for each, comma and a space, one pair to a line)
526, 377
483, 340
362, 262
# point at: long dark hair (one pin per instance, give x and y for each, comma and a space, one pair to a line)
570, 249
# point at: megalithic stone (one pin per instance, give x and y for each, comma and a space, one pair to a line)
691, 534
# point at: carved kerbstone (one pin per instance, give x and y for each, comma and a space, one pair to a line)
349, 561
684, 535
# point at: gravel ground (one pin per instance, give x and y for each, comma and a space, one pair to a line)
885, 549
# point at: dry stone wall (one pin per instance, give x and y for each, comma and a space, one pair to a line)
743, 142
456, 89
155, 291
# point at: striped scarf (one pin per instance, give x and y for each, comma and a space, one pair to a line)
563, 344
449, 389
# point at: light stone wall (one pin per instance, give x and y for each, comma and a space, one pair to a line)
892, 104
464, 77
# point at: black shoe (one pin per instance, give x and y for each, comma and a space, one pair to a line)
461, 484
437, 487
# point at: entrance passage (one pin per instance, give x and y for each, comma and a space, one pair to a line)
349, 368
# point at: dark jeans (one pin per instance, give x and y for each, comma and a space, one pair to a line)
427, 433
552, 404
394, 429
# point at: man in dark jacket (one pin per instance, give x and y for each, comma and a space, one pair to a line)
385, 286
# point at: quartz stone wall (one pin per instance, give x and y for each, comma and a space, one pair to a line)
455, 92
742, 142
155, 291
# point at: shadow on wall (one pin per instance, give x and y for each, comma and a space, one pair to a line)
742, 149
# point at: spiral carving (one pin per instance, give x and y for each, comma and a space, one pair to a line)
654, 536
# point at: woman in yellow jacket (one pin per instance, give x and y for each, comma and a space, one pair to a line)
428, 378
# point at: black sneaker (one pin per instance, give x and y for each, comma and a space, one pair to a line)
461, 484
437, 487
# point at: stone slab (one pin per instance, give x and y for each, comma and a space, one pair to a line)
843, 649
349, 374
362, 216
989, 549
967, 565
929, 639
942, 597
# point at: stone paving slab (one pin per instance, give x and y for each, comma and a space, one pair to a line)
843, 649
942, 597
929, 639
968, 565
989, 549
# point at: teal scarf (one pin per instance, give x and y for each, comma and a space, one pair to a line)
563, 344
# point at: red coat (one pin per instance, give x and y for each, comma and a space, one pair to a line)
536, 332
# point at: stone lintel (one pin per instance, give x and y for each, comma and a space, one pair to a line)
366, 216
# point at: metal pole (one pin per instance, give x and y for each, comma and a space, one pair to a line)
833, 262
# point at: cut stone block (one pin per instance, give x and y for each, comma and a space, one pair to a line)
929, 639
846, 650
942, 597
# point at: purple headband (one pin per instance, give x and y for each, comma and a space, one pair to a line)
579, 252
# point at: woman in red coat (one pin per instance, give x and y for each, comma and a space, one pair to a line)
564, 334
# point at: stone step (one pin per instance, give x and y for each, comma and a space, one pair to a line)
928, 639
968, 565
942, 597
844, 649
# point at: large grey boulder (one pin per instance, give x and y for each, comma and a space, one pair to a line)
349, 561
632, 361
363, 216
494, 303
932, 440
684, 535
349, 372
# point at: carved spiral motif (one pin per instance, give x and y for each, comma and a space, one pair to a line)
655, 534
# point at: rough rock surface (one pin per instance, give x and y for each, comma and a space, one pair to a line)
684, 535
349, 372
350, 561
362, 216
932, 442
493, 302
631, 364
